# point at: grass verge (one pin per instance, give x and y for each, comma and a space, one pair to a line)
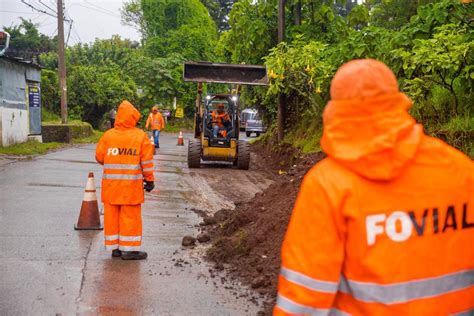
94, 139
31, 147
305, 136
177, 125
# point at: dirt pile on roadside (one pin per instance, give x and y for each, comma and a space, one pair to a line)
249, 237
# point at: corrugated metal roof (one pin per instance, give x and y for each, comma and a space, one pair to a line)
21, 61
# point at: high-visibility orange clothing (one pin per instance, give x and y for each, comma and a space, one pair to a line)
220, 119
127, 156
123, 227
155, 121
385, 224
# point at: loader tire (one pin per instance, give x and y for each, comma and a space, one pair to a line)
243, 155
194, 153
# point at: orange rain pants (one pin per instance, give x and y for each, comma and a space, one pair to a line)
123, 227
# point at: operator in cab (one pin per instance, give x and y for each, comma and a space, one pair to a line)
220, 120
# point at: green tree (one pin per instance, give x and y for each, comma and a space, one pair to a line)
253, 32
27, 42
442, 60
168, 27
219, 11
393, 14
93, 91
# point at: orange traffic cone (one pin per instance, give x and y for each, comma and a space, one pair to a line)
89, 218
180, 139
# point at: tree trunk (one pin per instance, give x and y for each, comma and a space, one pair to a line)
281, 97
297, 13
455, 101
281, 116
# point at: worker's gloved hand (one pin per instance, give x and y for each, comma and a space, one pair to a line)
149, 186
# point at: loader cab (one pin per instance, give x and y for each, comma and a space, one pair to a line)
230, 129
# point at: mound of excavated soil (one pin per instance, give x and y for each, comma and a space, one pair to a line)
250, 236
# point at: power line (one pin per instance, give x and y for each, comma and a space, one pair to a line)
40, 10
54, 32
47, 24
76, 34
99, 7
19, 12
48, 7
95, 9
36, 17
69, 32
36, 9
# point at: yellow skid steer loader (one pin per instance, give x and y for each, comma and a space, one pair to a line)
222, 143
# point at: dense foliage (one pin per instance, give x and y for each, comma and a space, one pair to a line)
27, 42
428, 44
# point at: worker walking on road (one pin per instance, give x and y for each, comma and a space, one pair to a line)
127, 156
385, 224
156, 122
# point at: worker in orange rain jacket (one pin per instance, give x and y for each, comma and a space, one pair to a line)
127, 156
385, 224
220, 119
156, 121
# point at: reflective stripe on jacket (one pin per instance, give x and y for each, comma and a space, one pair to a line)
127, 156
385, 224
219, 118
155, 121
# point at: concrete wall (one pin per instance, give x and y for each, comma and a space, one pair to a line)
13, 126
14, 119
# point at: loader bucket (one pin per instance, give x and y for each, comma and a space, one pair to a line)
225, 73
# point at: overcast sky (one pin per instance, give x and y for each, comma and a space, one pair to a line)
92, 18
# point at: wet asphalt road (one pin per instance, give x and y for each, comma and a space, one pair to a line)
48, 268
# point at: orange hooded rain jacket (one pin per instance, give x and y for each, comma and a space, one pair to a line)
385, 224
127, 156
155, 121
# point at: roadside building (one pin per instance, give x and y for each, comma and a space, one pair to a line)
20, 101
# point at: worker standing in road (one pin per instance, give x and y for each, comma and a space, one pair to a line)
157, 123
112, 115
127, 156
385, 224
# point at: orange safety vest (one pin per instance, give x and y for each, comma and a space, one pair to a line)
385, 224
219, 118
156, 121
127, 156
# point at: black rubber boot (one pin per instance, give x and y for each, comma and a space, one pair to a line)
134, 255
116, 253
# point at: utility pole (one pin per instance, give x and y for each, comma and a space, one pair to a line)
62, 63
281, 97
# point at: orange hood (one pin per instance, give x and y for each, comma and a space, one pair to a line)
127, 115
366, 124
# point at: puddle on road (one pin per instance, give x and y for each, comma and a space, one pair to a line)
71, 160
54, 185
176, 170
171, 160
171, 155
